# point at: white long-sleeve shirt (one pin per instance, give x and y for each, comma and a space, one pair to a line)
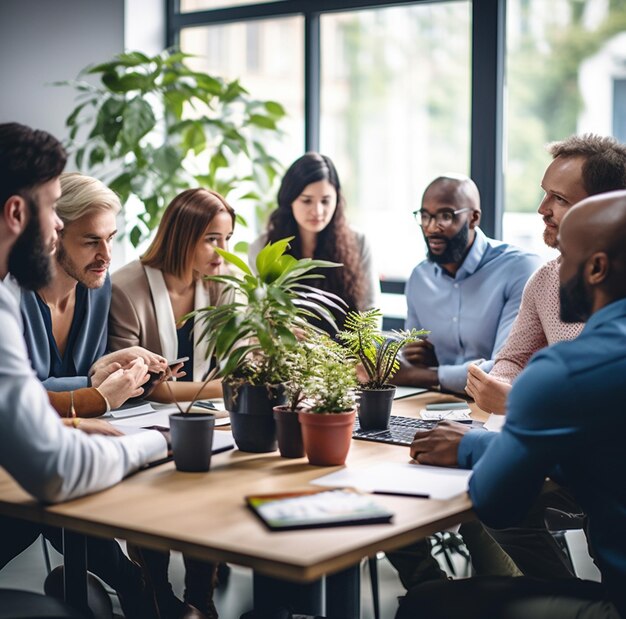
50, 461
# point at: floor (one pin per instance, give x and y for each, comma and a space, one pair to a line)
28, 571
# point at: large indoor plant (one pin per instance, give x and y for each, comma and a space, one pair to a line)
378, 355
330, 387
151, 126
250, 336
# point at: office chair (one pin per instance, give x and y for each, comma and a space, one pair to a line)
558, 522
15, 604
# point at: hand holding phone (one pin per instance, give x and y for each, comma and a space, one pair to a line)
171, 364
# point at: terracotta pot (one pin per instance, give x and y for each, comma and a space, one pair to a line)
289, 432
375, 407
251, 415
326, 436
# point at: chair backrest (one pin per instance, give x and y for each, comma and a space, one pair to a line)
15, 604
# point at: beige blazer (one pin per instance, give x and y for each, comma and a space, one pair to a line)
141, 314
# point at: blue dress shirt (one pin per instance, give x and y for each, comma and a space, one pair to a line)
566, 418
63, 365
88, 343
469, 316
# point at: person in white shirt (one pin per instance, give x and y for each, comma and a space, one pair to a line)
50, 461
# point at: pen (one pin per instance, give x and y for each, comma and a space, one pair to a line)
414, 495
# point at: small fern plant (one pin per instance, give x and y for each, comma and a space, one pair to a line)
377, 353
331, 382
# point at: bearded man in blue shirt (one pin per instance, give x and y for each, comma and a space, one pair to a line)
466, 293
565, 420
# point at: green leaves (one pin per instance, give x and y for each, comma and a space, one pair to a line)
331, 381
270, 306
137, 119
266, 260
233, 259
157, 121
377, 353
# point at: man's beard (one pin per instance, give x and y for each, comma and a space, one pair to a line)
30, 261
576, 303
550, 237
455, 247
73, 270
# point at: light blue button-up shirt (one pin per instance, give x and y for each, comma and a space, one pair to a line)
469, 316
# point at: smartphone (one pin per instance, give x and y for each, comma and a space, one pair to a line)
447, 406
177, 361
206, 404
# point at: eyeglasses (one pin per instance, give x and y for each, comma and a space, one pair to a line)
442, 218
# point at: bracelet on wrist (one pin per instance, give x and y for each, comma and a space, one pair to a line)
106, 401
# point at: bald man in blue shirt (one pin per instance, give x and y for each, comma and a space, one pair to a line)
565, 420
466, 293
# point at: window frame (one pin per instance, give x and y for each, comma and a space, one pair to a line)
488, 42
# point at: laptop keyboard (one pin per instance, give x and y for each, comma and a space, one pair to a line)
401, 430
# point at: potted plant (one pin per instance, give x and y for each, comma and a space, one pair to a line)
331, 384
297, 363
152, 125
251, 336
378, 356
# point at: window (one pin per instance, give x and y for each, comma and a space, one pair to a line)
565, 60
202, 5
619, 109
267, 56
395, 110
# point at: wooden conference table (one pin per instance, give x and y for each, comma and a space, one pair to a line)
204, 515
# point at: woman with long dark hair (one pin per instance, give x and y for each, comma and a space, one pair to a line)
311, 208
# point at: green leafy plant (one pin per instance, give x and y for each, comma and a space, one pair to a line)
251, 336
155, 126
296, 364
332, 382
376, 352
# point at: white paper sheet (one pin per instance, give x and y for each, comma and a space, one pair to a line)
158, 417
222, 440
131, 411
494, 423
405, 392
449, 414
411, 479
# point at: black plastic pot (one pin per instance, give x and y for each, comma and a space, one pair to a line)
192, 441
289, 432
375, 407
251, 415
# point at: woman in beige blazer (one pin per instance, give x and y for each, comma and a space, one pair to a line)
150, 295
149, 298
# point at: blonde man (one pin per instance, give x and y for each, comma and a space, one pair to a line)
65, 321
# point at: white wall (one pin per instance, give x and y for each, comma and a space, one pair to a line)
43, 41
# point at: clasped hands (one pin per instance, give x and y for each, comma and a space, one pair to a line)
417, 361
123, 374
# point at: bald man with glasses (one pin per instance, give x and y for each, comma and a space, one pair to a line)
466, 293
